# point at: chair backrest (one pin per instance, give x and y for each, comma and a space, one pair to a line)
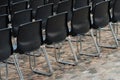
56, 28
101, 14
80, 3
36, 3
29, 37
94, 2
19, 18
116, 11
4, 2
18, 6
64, 6
3, 9
44, 12
55, 4
54, 1
80, 23
3, 21
112, 3
14, 1
5, 44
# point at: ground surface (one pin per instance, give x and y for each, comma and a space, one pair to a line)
107, 67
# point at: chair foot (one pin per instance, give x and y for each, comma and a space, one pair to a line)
42, 73
92, 55
109, 46
68, 63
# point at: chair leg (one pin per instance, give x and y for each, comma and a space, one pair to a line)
6, 73
73, 52
16, 62
114, 36
48, 64
96, 46
0, 74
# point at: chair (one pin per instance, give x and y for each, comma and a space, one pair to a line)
18, 6
56, 32
65, 6
3, 9
6, 51
4, 2
116, 11
43, 12
115, 18
14, 1
27, 44
80, 25
101, 19
3, 21
94, 2
80, 3
19, 18
112, 3
34, 4
55, 2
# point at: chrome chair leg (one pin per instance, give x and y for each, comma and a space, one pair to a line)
58, 58
0, 74
48, 64
96, 46
6, 72
114, 36
16, 62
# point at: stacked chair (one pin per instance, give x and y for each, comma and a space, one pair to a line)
35, 24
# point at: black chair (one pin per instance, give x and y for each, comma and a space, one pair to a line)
94, 2
3, 21
27, 44
43, 12
3, 9
34, 4
80, 25
101, 18
55, 2
65, 6
14, 1
19, 18
116, 11
112, 3
18, 6
80, 3
4, 2
115, 15
56, 32
6, 50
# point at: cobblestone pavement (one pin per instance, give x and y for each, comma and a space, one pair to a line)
106, 67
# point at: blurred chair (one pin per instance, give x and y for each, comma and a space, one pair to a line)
3, 21
34, 4
3, 9
6, 50
65, 6
18, 6
80, 3
101, 18
20, 17
56, 32
29, 39
80, 25
43, 12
